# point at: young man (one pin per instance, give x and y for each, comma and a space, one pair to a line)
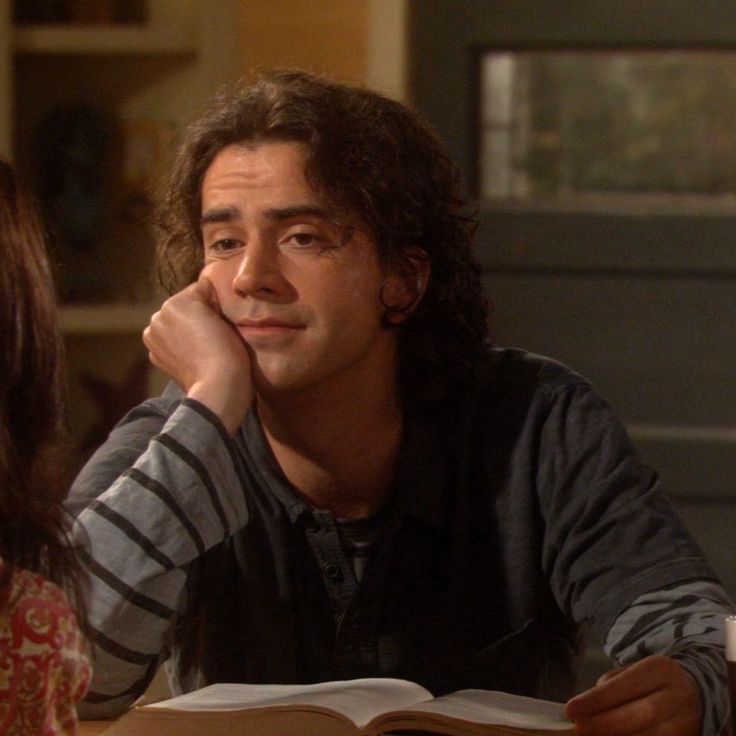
344, 479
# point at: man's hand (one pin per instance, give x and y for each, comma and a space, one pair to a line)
190, 340
653, 697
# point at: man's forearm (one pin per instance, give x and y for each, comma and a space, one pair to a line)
183, 496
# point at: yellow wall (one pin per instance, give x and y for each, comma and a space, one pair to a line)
323, 36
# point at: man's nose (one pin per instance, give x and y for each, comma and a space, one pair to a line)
259, 272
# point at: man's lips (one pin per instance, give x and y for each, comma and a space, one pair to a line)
265, 327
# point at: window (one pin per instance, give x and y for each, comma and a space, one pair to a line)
657, 127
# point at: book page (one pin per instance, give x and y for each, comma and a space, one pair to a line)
497, 708
357, 700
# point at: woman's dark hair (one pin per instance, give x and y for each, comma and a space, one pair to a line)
33, 531
375, 161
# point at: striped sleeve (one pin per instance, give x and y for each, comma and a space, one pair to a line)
183, 496
685, 622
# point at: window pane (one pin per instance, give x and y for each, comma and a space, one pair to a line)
567, 124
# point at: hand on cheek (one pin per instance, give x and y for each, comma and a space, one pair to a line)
190, 340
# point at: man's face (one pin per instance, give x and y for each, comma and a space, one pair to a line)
306, 300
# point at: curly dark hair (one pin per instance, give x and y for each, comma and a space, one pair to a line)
373, 159
33, 528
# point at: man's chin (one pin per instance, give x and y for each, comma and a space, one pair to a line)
275, 376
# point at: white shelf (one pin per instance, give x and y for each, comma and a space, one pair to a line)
105, 319
105, 40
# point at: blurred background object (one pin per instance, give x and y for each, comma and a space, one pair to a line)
79, 11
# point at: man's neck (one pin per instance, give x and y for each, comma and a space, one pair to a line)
339, 452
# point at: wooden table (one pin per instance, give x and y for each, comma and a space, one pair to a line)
93, 728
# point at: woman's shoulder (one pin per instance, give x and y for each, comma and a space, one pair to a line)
37, 614
44, 664
26, 586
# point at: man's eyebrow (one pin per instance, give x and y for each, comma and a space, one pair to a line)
220, 214
228, 214
299, 210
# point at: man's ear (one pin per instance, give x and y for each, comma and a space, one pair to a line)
405, 285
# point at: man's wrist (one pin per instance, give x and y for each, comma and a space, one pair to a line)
230, 403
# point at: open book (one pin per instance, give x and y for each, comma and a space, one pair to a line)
348, 708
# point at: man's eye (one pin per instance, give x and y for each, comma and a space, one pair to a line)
223, 245
303, 239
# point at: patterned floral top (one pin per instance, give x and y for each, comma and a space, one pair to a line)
44, 665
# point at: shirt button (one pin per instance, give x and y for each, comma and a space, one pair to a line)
311, 524
332, 571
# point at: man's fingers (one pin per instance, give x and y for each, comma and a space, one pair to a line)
653, 696
641, 716
206, 289
620, 686
606, 676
